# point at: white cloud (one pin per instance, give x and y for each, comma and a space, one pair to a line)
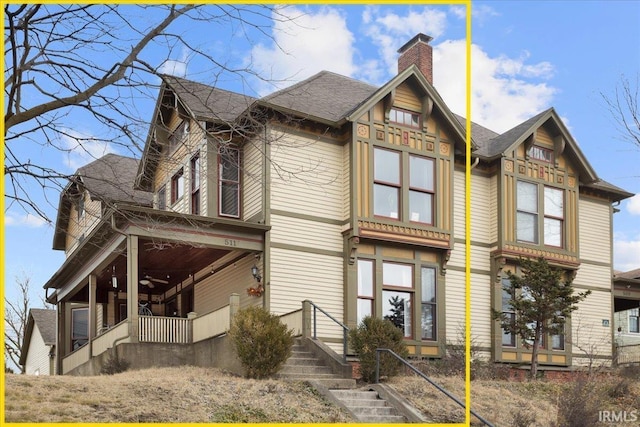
27, 220
626, 253
389, 31
633, 205
314, 41
81, 148
459, 12
503, 94
176, 67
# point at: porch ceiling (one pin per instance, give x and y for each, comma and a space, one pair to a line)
171, 262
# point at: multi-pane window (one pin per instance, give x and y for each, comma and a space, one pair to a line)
429, 304
405, 118
634, 320
162, 198
539, 153
397, 295
177, 186
508, 338
79, 327
528, 207
195, 185
388, 186
365, 289
421, 189
176, 137
527, 215
229, 181
557, 341
386, 183
553, 216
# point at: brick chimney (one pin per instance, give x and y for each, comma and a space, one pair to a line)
417, 51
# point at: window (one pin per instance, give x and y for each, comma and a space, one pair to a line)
80, 206
421, 189
557, 341
365, 289
405, 118
195, 185
176, 137
634, 320
386, 183
429, 304
162, 198
539, 153
527, 216
229, 193
177, 186
508, 338
553, 216
79, 327
397, 304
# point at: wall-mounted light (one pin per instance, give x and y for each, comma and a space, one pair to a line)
114, 279
255, 272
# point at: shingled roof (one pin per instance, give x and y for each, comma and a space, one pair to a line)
207, 102
109, 179
326, 96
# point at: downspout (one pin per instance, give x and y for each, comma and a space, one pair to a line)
475, 162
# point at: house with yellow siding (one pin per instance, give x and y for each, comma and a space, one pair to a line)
331, 194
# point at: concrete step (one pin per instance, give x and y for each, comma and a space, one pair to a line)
336, 383
367, 406
310, 370
304, 376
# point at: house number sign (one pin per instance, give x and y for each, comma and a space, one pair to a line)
230, 242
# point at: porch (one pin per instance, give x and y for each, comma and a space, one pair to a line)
179, 334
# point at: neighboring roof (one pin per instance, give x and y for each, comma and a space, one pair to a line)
109, 179
206, 102
633, 274
479, 134
326, 96
46, 322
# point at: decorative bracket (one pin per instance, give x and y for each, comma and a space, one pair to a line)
427, 108
528, 143
443, 262
352, 248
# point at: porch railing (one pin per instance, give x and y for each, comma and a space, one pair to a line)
628, 354
105, 341
212, 324
75, 359
160, 329
293, 320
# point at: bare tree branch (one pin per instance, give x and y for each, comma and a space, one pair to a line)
623, 107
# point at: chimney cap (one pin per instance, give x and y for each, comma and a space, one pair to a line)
417, 38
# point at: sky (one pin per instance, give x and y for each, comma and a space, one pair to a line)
526, 57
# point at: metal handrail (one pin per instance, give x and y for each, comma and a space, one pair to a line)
455, 399
345, 328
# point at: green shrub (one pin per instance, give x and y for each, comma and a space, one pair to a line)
261, 340
374, 333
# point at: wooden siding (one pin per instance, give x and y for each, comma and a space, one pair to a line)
480, 257
594, 275
306, 232
346, 181
480, 313
483, 212
307, 176
82, 226
455, 305
493, 211
595, 230
587, 328
38, 361
252, 179
406, 98
296, 276
213, 292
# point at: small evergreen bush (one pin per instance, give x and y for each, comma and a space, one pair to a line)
263, 343
114, 365
374, 333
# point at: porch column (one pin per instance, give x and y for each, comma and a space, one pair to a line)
92, 312
61, 342
132, 287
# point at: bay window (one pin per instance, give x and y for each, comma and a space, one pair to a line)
429, 304
365, 289
397, 303
508, 338
386, 183
421, 189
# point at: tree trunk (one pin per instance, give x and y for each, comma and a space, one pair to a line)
534, 355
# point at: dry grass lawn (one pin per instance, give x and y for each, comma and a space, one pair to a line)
190, 394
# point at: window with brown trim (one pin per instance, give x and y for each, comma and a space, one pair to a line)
397, 295
404, 117
540, 153
162, 198
177, 186
421, 189
365, 289
79, 327
229, 182
195, 184
387, 183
